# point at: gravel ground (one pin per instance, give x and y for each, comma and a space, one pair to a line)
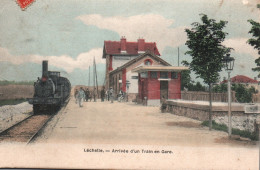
11, 114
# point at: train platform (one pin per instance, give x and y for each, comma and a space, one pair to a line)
128, 123
102, 135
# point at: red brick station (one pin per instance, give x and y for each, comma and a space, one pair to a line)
138, 69
156, 82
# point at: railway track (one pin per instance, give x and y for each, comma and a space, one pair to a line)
26, 130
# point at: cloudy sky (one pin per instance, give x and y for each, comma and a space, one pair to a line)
71, 33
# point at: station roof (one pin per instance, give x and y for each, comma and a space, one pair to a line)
159, 68
114, 48
147, 53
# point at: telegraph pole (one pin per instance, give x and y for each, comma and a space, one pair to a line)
96, 74
178, 57
88, 76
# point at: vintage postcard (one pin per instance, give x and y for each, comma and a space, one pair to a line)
130, 84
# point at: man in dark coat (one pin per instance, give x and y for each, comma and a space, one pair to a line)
103, 92
94, 94
87, 94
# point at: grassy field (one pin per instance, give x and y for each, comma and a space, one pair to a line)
13, 91
11, 102
5, 82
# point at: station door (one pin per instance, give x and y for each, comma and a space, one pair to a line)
164, 89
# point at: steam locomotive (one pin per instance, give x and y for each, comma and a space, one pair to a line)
51, 91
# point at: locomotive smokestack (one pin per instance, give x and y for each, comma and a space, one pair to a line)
45, 68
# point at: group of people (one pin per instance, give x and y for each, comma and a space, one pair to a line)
87, 95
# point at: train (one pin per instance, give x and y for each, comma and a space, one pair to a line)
51, 91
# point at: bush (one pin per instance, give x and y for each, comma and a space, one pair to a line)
223, 127
222, 88
243, 94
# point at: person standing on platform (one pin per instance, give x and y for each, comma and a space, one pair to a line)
111, 94
84, 99
87, 94
107, 95
81, 96
102, 94
94, 94
90, 96
164, 104
76, 95
121, 95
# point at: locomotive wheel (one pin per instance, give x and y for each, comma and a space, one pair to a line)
40, 109
45, 109
36, 109
54, 108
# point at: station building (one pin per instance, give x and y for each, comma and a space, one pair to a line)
118, 54
122, 57
158, 81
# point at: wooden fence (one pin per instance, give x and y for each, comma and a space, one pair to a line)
204, 96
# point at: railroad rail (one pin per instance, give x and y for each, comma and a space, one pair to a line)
26, 130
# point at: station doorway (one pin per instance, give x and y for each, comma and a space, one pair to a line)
164, 89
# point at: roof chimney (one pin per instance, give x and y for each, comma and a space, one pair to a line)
140, 45
123, 44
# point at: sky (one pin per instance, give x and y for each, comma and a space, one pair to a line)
69, 34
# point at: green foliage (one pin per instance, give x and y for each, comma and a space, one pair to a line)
196, 87
243, 94
216, 126
206, 50
255, 40
5, 82
222, 88
185, 76
186, 81
223, 127
11, 101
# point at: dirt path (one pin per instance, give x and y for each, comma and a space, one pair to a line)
127, 123
126, 126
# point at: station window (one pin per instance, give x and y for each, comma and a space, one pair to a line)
148, 62
153, 74
134, 77
144, 75
174, 75
164, 75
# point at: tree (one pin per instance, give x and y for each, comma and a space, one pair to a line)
207, 52
220, 88
185, 76
187, 82
199, 87
255, 41
243, 94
